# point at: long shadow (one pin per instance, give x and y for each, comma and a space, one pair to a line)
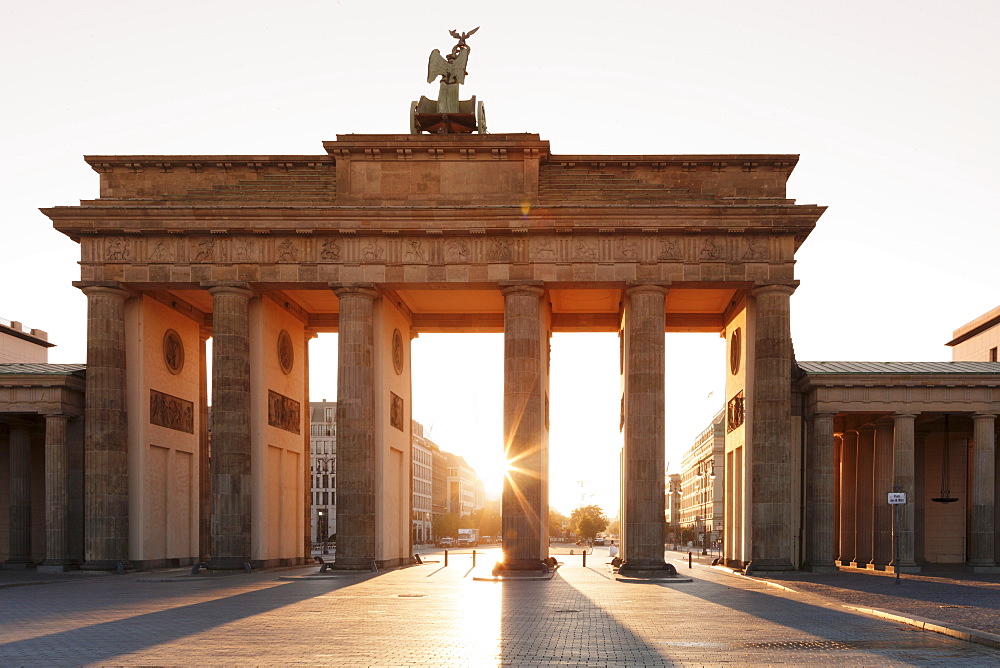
536, 614
105, 640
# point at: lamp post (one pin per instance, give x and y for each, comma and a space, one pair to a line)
322, 526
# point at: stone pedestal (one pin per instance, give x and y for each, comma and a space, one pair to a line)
983, 493
106, 523
819, 494
231, 410
525, 418
644, 327
771, 446
356, 528
20, 498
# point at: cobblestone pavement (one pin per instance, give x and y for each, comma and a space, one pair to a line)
430, 615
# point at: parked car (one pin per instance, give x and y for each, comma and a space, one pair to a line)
464, 541
445, 542
598, 541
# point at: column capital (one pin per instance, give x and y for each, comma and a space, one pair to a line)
356, 289
109, 288
984, 416
904, 416
228, 287
525, 287
646, 288
823, 415
774, 288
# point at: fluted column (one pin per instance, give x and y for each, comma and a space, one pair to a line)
105, 432
356, 427
882, 517
848, 496
770, 415
57, 553
864, 480
524, 514
231, 410
819, 493
204, 452
902, 481
645, 370
983, 496
20, 497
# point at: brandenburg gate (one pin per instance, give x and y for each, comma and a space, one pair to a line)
380, 238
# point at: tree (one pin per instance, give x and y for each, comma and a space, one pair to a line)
556, 522
446, 525
587, 521
486, 519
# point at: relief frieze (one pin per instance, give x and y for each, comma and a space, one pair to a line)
161, 251
166, 410
711, 250
628, 249
755, 250
458, 251
244, 250
585, 251
414, 251
544, 251
373, 251
330, 250
287, 251
501, 250
204, 251
117, 249
283, 412
669, 249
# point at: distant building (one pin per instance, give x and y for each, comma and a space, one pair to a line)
702, 482
465, 489
673, 505
978, 340
423, 486
323, 446
20, 345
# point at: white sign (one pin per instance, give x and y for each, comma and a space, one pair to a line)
897, 498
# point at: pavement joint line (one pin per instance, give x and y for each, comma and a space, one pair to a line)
952, 630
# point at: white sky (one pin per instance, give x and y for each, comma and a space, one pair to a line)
892, 106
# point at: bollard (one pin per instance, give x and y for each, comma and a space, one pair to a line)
689, 559
446, 558
473, 558
584, 558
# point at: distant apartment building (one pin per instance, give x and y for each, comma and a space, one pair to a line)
423, 485
673, 505
442, 483
19, 345
323, 446
702, 498
978, 340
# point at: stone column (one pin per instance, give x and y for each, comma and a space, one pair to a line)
105, 432
20, 497
882, 517
231, 411
644, 368
902, 481
57, 554
524, 513
864, 480
848, 497
838, 451
356, 427
819, 494
981, 529
771, 440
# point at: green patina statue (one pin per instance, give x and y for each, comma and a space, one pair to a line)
448, 114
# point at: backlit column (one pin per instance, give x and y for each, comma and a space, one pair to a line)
644, 368
983, 497
105, 431
56, 491
848, 496
356, 427
20, 497
231, 410
204, 452
819, 493
902, 481
770, 415
524, 511
882, 517
863, 485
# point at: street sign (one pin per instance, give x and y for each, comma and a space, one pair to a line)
897, 498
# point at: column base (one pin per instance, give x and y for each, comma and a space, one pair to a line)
903, 568
822, 568
18, 564
646, 568
58, 566
230, 564
876, 567
107, 565
520, 565
982, 568
770, 566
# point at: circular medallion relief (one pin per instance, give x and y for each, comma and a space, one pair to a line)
286, 354
735, 350
173, 351
397, 351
